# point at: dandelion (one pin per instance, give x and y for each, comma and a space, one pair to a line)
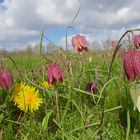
136, 41
54, 73
92, 88
47, 85
26, 97
79, 43
6, 79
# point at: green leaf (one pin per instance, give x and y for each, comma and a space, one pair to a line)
1, 117
0, 92
135, 94
75, 104
46, 120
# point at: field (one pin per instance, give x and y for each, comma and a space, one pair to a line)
68, 112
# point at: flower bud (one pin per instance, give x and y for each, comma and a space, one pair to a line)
92, 88
6, 79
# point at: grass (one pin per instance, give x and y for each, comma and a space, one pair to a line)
79, 112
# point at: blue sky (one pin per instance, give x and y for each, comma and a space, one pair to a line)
1, 1
56, 33
22, 21
2, 7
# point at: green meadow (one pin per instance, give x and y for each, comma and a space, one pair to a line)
68, 112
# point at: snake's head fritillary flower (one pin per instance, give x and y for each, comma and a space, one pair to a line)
128, 58
26, 97
136, 41
136, 63
92, 88
132, 64
79, 43
54, 74
6, 79
114, 44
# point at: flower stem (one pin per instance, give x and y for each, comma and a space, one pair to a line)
68, 103
41, 48
128, 114
15, 66
1, 62
77, 13
57, 106
54, 45
128, 124
110, 68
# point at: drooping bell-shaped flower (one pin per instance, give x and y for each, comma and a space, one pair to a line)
92, 88
6, 80
128, 65
136, 41
54, 73
131, 60
114, 44
136, 63
79, 43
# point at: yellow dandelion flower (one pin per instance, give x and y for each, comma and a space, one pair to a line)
47, 85
17, 89
26, 98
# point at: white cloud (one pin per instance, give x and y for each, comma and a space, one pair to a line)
22, 21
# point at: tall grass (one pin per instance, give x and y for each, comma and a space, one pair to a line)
79, 111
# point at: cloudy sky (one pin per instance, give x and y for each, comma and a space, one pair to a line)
22, 21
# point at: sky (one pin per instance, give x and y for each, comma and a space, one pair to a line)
21, 22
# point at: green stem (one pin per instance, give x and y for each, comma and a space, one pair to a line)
1, 62
15, 66
41, 48
68, 102
54, 45
57, 106
112, 109
77, 13
128, 125
110, 68
68, 64
128, 114
15, 122
117, 48
69, 27
83, 127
